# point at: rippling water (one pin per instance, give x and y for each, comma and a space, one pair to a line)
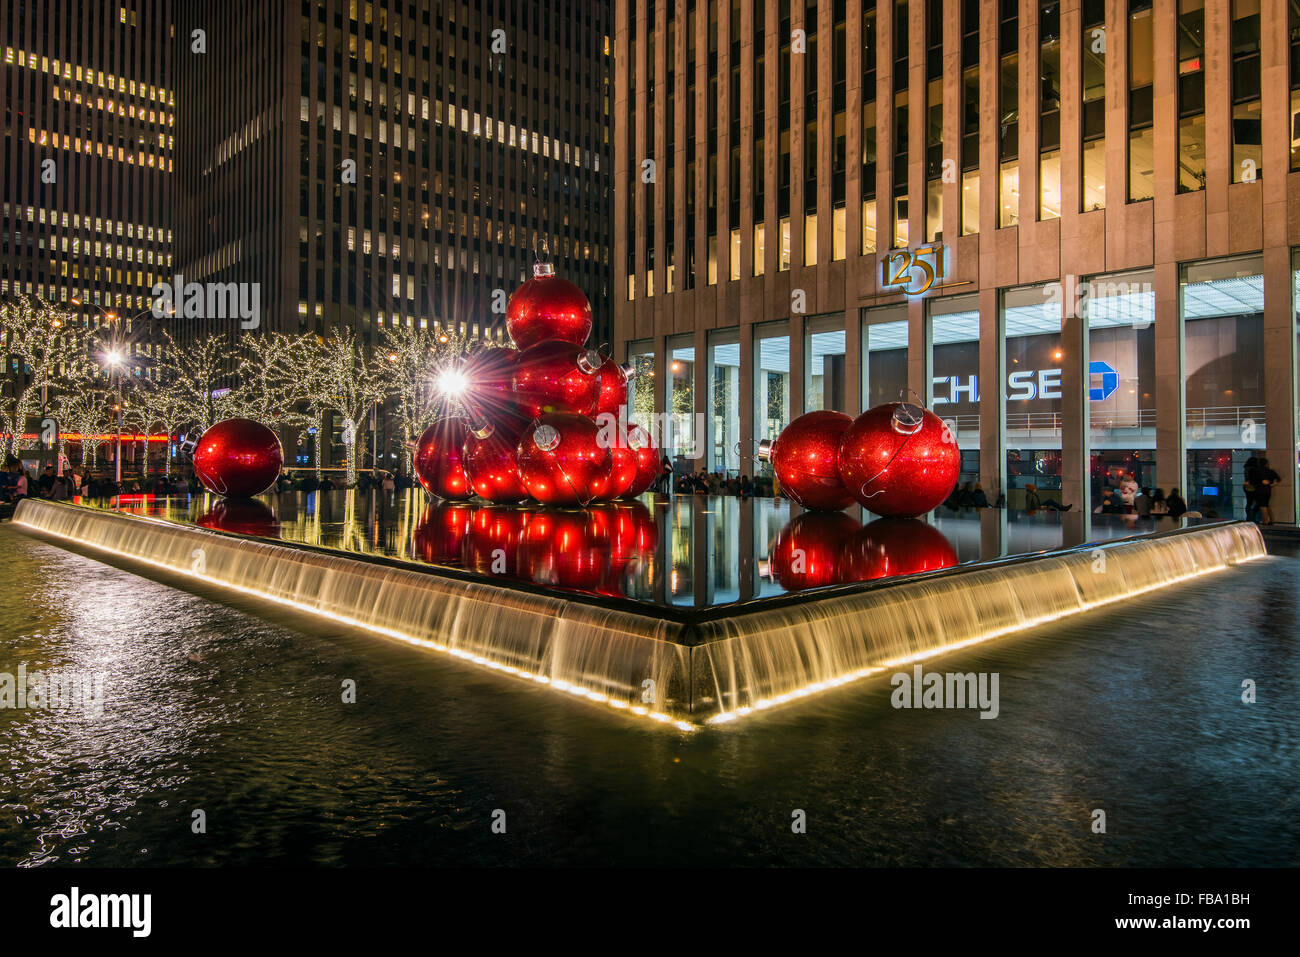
234, 708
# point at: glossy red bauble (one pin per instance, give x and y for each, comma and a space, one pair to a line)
805, 457
613, 388
548, 307
238, 457
899, 460
489, 461
889, 547
439, 461
557, 376
563, 461
808, 552
647, 459
489, 388
623, 468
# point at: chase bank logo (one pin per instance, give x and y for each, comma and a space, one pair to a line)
1103, 380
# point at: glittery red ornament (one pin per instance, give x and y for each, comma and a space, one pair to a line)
489, 461
439, 460
548, 307
624, 465
238, 457
241, 516
562, 460
899, 460
805, 457
613, 388
441, 531
807, 553
889, 547
565, 549
557, 376
647, 459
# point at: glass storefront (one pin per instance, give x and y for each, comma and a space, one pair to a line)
771, 380
724, 408
679, 401
824, 363
884, 350
641, 387
1031, 322
953, 336
1120, 312
1223, 380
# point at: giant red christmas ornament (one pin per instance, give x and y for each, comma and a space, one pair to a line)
489, 391
562, 460
548, 307
899, 460
557, 376
492, 545
489, 461
889, 547
613, 388
805, 457
624, 465
238, 457
808, 552
647, 459
439, 462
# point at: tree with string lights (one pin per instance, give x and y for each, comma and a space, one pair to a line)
407, 366
49, 348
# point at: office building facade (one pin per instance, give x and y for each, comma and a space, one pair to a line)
1068, 227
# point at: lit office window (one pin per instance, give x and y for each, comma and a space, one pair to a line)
1093, 57
1191, 95
1049, 122
1141, 129
1247, 129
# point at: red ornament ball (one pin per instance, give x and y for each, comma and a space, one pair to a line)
647, 459
557, 376
238, 457
492, 545
441, 532
563, 461
548, 307
805, 457
808, 553
242, 517
899, 460
622, 473
612, 397
439, 461
489, 461
889, 547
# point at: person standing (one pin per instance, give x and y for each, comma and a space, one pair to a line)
1264, 492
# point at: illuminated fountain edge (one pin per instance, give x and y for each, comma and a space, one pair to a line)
658, 663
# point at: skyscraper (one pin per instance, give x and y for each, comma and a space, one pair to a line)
381, 163
1069, 226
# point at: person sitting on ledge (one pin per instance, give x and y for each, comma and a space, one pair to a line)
1158, 504
978, 498
1033, 503
1176, 504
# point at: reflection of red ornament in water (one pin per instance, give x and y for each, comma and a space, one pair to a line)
492, 545
557, 376
805, 457
562, 461
439, 460
242, 517
896, 546
647, 459
613, 387
633, 536
440, 533
238, 457
565, 549
899, 460
807, 552
547, 307
489, 461
489, 393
